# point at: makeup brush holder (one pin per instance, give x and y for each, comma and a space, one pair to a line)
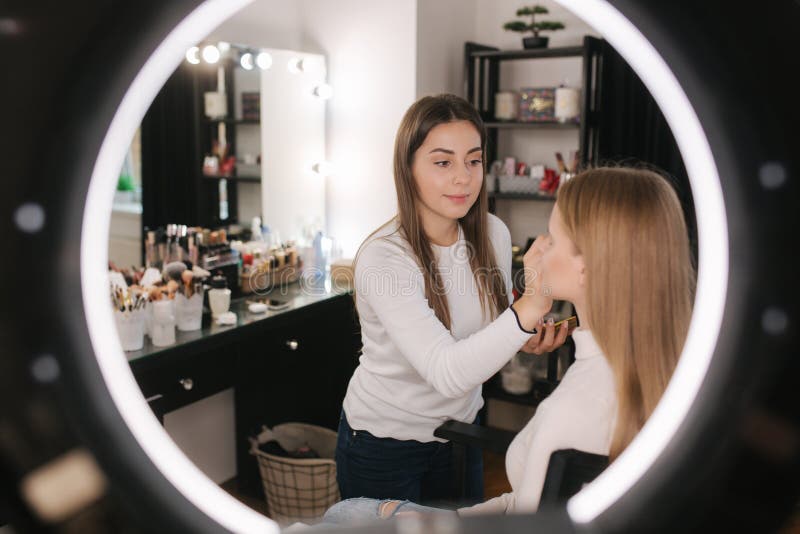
162, 325
189, 312
130, 328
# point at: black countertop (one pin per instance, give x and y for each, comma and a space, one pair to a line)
300, 294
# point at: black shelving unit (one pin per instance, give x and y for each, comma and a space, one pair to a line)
482, 65
207, 134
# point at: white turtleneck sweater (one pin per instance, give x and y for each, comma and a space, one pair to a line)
414, 373
579, 414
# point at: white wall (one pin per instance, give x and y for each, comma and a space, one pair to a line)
442, 28
371, 51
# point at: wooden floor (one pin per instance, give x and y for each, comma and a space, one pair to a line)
494, 481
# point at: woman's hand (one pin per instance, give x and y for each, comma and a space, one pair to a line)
535, 300
547, 338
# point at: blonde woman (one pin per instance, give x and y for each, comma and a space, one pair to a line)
617, 248
432, 293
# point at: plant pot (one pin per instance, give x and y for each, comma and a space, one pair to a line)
535, 42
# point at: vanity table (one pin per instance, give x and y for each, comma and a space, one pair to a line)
287, 365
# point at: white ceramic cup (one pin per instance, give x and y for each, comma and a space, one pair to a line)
130, 327
162, 325
219, 300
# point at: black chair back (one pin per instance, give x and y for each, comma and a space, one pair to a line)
567, 472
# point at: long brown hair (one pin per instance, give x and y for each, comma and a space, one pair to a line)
628, 225
421, 118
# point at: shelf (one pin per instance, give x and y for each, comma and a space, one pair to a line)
522, 196
238, 178
232, 121
546, 125
532, 53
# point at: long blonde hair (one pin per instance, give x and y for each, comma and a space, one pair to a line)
628, 225
418, 121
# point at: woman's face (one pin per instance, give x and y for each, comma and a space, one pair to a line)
448, 169
562, 265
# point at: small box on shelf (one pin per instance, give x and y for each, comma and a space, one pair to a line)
537, 104
518, 184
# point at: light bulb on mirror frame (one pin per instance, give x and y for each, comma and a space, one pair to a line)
323, 91
211, 54
295, 65
264, 60
193, 55
246, 61
323, 168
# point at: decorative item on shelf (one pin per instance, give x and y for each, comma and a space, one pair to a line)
251, 106
534, 26
509, 166
537, 104
505, 106
567, 107
228, 166
216, 105
549, 184
211, 165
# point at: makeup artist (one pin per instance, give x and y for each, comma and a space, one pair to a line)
432, 292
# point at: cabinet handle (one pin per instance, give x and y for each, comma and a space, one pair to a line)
292, 344
187, 383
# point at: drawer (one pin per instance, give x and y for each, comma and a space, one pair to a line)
184, 380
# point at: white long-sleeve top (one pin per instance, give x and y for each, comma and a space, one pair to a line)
579, 414
413, 373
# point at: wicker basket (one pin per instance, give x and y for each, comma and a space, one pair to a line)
298, 489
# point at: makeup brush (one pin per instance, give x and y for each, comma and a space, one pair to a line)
173, 270
562, 167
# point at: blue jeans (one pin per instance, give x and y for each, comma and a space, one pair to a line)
387, 468
362, 509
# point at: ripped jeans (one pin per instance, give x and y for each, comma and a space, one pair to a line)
363, 509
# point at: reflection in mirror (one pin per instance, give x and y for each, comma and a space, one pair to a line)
256, 176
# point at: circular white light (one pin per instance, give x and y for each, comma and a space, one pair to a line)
589, 502
184, 475
210, 54
323, 91
193, 55
264, 60
246, 61
712, 272
295, 65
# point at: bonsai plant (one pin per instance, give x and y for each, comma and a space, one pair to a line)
535, 26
